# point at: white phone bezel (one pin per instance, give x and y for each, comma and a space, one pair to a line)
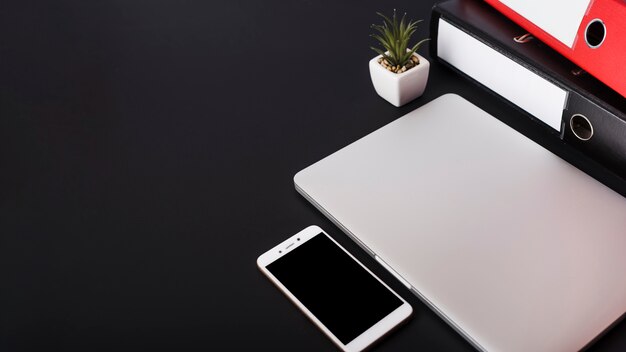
370, 335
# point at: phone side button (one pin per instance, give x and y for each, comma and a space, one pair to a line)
393, 272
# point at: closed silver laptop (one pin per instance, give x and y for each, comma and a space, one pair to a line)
515, 248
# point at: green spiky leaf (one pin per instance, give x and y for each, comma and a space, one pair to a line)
394, 35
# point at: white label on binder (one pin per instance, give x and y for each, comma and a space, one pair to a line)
559, 18
504, 76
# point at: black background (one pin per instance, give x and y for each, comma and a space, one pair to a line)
147, 150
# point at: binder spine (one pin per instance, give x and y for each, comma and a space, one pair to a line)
501, 74
605, 136
596, 34
581, 111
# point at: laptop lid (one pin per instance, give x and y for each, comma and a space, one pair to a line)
514, 247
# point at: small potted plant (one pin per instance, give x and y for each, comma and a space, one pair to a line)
399, 74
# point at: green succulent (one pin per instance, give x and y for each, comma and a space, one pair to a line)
394, 37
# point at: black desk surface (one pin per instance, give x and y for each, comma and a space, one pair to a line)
147, 150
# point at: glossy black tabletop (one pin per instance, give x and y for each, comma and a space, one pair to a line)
147, 155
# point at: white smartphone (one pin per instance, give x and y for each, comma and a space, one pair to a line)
340, 295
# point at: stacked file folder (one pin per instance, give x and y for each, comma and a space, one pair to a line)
486, 46
592, 34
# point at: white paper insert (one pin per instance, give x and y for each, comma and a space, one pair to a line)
504, 76
559, 18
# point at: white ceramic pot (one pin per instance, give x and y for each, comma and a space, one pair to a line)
399, 88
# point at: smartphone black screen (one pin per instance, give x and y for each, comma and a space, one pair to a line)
336, 289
